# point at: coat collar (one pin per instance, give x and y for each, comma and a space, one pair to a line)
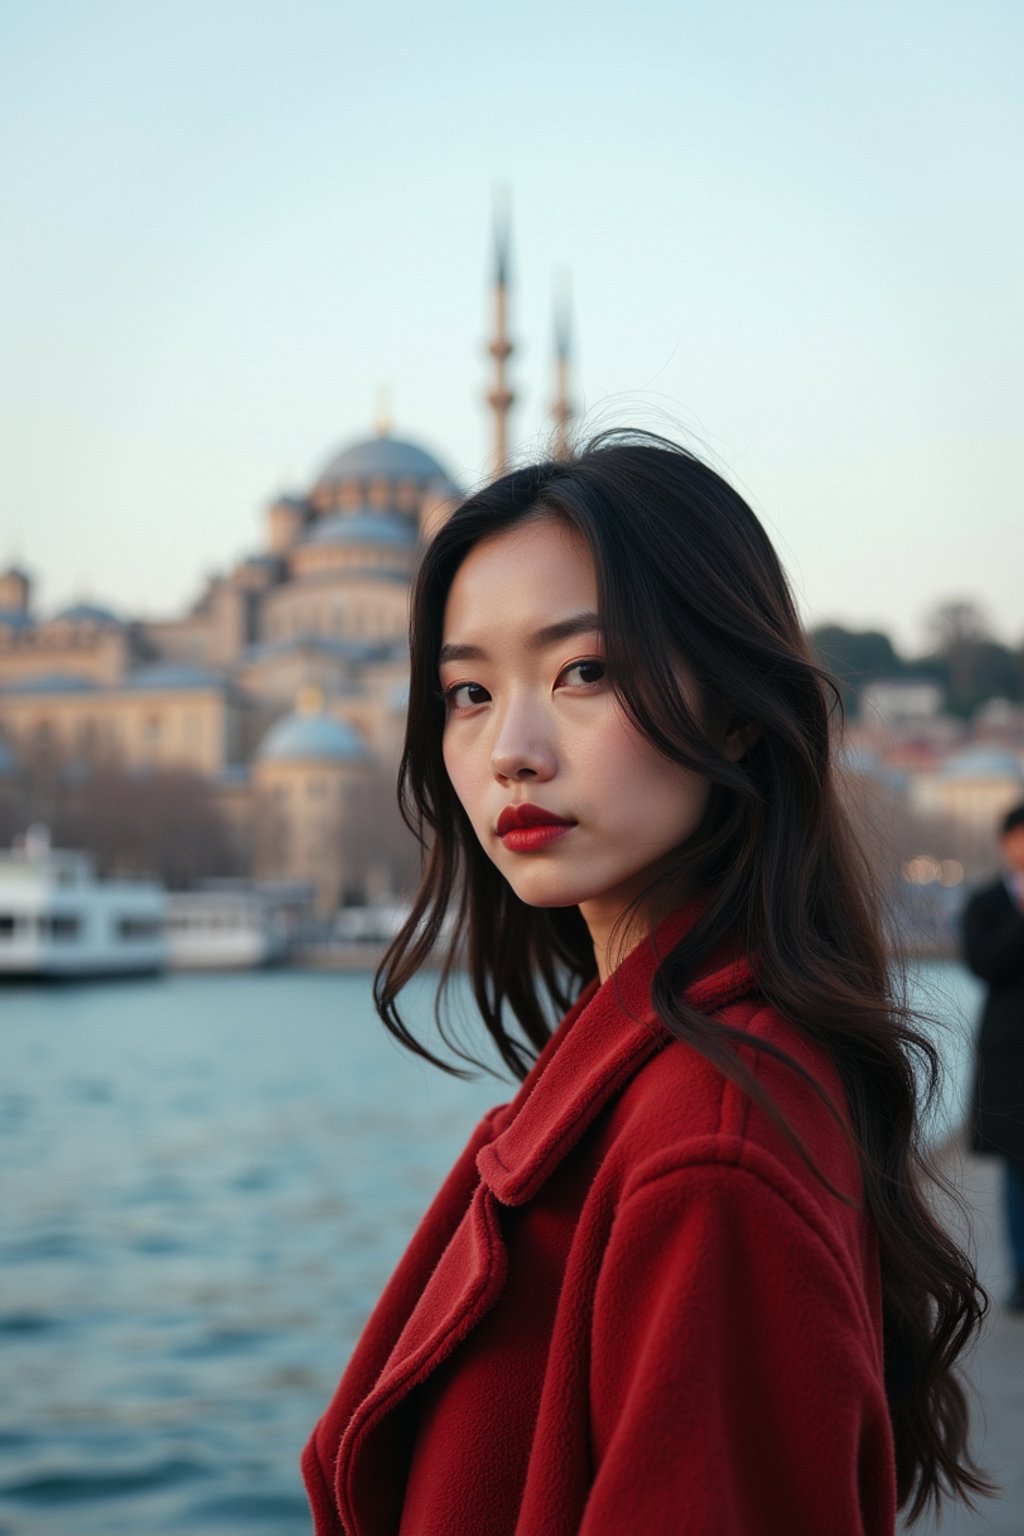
599, 1046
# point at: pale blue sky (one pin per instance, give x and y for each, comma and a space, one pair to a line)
794, 231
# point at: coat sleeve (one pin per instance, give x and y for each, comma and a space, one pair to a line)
736, 1385
993, 938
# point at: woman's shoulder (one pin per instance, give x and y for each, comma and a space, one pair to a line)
681, 1087
682, 1111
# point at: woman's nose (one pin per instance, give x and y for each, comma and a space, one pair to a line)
524, 748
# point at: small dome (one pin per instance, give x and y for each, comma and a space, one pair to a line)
325, 645
363, 527
15, 618
382, 458
53, 682
983, 763
303, 736
86, 613
170, 676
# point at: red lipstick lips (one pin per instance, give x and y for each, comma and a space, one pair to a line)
524, 828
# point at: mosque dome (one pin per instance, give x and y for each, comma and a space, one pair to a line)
382, 458
362, 527
310, 734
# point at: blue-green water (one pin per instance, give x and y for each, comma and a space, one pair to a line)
206, 1180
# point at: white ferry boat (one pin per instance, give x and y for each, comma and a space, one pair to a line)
58, 918
225, 925
369, 925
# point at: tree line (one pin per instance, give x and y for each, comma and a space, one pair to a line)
964, 658
170, 824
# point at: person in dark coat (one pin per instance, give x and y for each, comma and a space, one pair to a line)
994, 950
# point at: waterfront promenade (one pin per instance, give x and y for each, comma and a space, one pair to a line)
996, 1369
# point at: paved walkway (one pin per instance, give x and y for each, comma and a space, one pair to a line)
996, 1370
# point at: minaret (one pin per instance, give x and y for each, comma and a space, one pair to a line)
562, 409
382, 416
501, 397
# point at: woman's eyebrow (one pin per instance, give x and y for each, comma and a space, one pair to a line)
565, 629
551, 634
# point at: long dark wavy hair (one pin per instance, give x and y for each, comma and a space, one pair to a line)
686, 572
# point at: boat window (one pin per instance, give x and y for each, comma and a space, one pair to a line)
58, 925
138, 927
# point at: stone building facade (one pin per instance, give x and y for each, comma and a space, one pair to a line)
226, 690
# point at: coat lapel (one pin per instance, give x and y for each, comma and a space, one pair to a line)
463, 1287
617, 1032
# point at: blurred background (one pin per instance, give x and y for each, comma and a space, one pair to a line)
278, 286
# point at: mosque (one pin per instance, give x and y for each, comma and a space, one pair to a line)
284, 685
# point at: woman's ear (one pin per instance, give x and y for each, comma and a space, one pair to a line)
739, 739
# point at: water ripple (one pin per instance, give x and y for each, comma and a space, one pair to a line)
72, 1487
21, 1323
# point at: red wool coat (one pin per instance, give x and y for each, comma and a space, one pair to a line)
631, 1308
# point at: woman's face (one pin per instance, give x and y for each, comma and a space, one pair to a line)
572, 804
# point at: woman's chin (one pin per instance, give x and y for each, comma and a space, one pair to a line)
536, 891
531, 899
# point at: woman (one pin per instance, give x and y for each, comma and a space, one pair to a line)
687, 1281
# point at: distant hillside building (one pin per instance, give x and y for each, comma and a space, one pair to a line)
896, 700
974, 788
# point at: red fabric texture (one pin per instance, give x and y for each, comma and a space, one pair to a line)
632, 1307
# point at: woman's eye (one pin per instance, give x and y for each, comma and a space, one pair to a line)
582, 673
465, 695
